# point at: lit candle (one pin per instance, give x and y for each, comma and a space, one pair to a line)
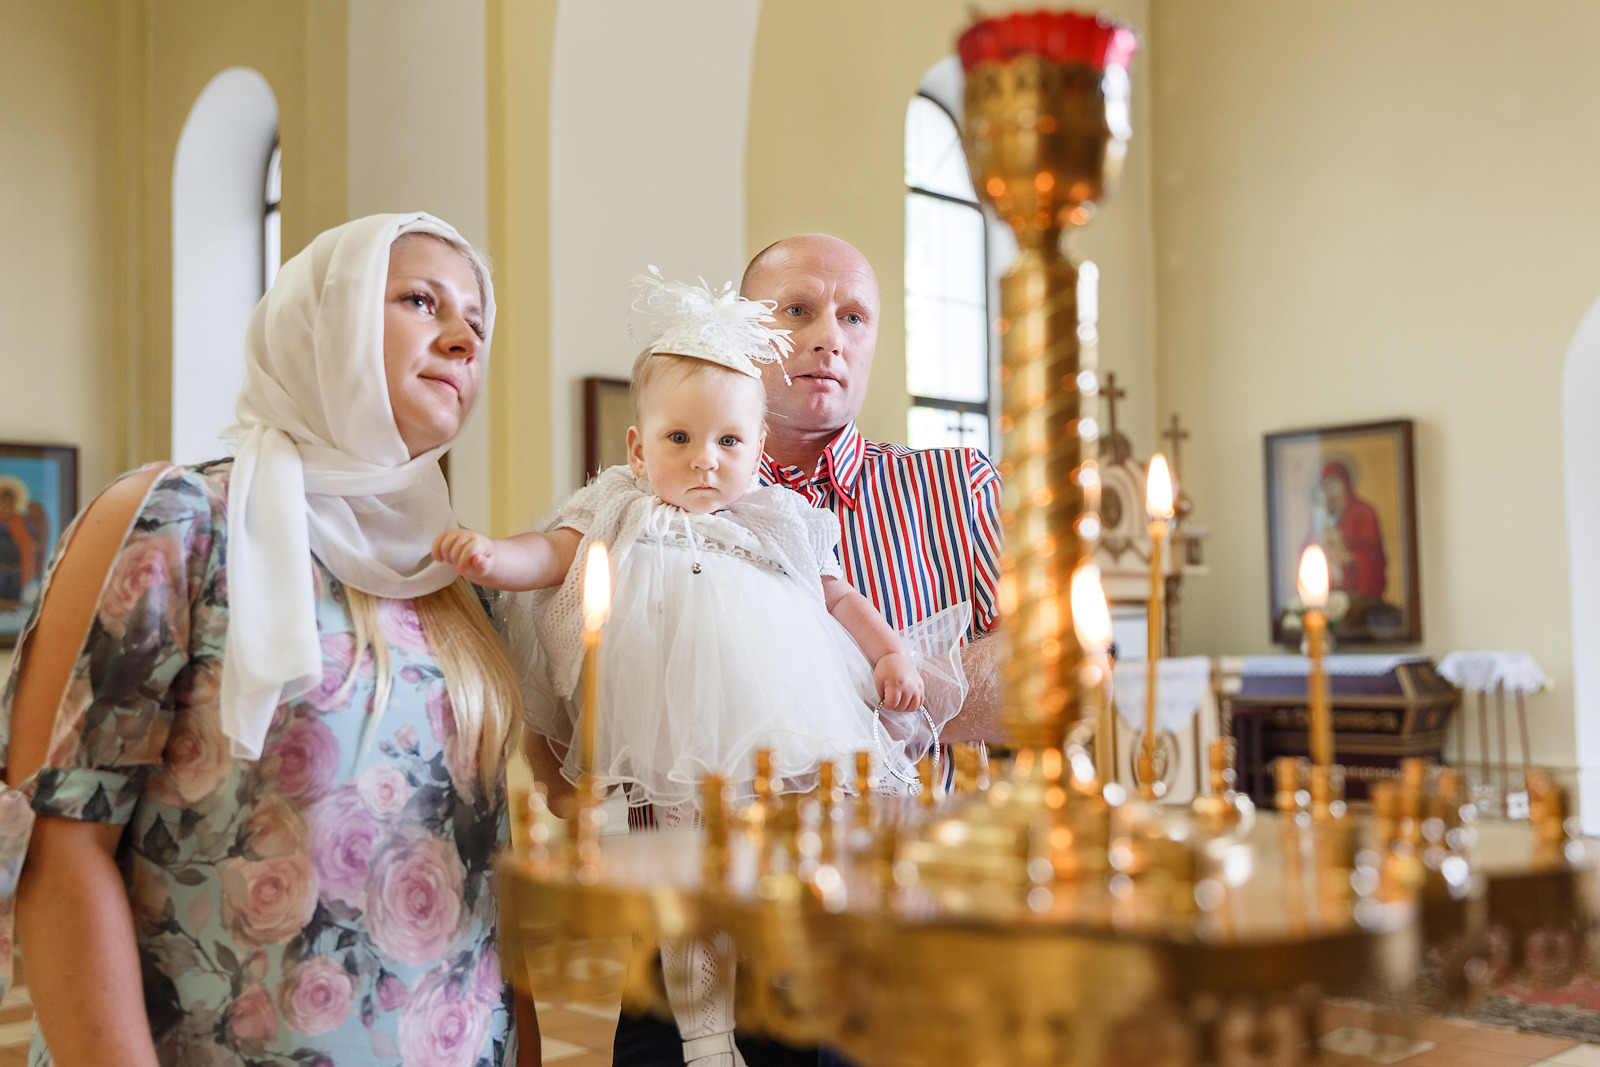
1313, 583
1091, 620
1158, 504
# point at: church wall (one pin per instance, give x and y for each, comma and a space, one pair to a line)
419, 141
168, 52
520, 38
648, 109
1366, 211
826, 153
56, 207
58, 127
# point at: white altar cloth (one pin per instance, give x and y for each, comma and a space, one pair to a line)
1484, 672
1182, 687
1348, 665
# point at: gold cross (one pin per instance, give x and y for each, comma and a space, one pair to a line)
1177, 435
1112, 394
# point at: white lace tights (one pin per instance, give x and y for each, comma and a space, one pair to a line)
699, 975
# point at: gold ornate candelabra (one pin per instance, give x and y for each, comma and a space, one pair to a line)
1045, 918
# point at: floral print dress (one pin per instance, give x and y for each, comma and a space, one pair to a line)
326, 905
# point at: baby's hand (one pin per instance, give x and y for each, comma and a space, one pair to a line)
466, 551
899, 683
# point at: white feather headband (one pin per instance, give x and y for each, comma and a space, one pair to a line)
719, 327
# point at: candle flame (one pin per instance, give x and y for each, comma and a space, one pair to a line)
1313, 578
1158, 489
1091, 617
596, 588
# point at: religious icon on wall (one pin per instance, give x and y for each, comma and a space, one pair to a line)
607, 414
38, 497
1351, 490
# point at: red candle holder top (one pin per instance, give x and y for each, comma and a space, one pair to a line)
1066, 37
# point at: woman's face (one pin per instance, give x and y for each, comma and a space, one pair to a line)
432, 334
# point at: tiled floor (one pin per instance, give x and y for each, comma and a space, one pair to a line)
16, 1027
580, 1036
1456, 1043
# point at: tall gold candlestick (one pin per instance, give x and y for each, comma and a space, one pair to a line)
1313, 582
1158, 503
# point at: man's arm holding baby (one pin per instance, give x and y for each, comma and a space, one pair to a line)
526, 561
979, 719
899, 684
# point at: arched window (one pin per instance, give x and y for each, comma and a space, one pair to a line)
948, 366
272, 219
224, 248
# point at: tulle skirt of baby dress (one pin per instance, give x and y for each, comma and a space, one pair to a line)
709, 657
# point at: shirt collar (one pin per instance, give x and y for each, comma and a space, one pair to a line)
840, 466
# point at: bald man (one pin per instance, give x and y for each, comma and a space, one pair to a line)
920, 529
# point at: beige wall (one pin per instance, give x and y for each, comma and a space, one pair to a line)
827, 153
58, 131
169, 51
647, 150
1368, 210
418, 141
520, 38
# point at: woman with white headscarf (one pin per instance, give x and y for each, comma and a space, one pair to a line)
263, 733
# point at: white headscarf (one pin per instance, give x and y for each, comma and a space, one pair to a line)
320, 467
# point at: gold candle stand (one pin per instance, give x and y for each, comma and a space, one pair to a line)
1040, 921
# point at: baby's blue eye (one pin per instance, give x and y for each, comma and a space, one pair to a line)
728, 440
678, 437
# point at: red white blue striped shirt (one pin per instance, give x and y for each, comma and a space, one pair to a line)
919, 529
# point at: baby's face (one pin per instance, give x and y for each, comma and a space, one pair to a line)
699, 438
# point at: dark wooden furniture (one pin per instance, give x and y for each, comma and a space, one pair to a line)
1378, 720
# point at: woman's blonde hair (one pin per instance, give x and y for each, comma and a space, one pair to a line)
484, 696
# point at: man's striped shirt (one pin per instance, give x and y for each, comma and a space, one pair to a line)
919, 529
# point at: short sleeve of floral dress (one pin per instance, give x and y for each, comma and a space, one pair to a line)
327, 904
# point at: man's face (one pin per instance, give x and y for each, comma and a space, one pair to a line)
827, 298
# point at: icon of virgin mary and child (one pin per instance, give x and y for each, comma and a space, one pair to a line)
1347, 528
24, 543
